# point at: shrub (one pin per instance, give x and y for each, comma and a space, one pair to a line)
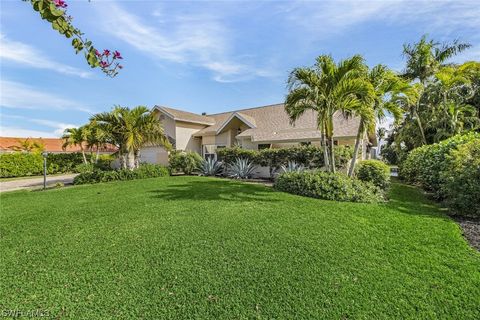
424, 165
183, 162
84, 167
374, 171
328, 186
19, 164
309, 156
144, 171
241, 169
210, 167
461, 177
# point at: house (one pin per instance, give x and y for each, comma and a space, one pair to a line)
252, 128
51, 145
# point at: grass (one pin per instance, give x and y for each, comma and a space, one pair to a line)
201, 248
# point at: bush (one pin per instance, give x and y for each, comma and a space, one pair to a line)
144, 171
308, 156
424, 165
19, 164
328, 186
374, 171
461, 177
84, 167
184, 162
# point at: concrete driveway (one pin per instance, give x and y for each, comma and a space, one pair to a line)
31, 183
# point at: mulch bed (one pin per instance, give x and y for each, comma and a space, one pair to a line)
471, 230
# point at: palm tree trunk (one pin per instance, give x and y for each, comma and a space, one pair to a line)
355, 151
83, 154
326, 161
332, 155
131, 160
424, 140
97, 155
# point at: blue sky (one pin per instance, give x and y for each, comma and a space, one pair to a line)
200, 56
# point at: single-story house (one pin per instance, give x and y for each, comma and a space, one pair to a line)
253, 128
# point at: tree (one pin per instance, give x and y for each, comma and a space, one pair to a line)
385, 83
96, 138
28, 146
327, 88
130, 130
76, 137
55, 12
426, 57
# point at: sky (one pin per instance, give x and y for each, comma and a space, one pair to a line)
200, 56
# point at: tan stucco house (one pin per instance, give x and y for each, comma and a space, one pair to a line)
252, 128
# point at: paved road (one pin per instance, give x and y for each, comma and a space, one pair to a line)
29, 183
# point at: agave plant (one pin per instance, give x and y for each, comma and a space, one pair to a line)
210, 167
292, 166
241, 169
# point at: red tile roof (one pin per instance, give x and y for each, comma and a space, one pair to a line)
50, 144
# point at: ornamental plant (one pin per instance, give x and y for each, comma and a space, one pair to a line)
55, 12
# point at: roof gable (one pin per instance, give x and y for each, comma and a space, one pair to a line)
249, 121
185, 116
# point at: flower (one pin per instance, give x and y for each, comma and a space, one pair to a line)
97, 53
120, 66
60, 3
103, 64
106, 52
117, 55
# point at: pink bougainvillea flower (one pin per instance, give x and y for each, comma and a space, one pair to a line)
117, 55
60, 3
103, 64
97, 53
106, 52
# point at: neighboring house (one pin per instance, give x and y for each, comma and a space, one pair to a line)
253, 128
51, 145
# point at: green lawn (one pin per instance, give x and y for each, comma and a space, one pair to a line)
200, 248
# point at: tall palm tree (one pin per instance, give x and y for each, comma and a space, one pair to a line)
384, 84
327, 88
130, 130
97, 138
426, 57
76, 137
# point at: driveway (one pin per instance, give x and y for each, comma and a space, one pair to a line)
30, 183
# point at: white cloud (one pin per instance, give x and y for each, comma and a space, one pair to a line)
6, 131
201, 40
27, 55
325, 19
19, 96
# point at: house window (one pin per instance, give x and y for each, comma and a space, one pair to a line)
209, 151
335, 142
264, 146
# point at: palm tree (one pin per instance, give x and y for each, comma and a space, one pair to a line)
384, 83
28, 146
327, 88
130, 130
426, 57
97, 138
76, 137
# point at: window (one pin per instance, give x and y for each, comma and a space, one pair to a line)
305, 143
264, 146
209, 151
335, 142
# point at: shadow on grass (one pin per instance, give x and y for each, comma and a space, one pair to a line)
211, 189
411, 200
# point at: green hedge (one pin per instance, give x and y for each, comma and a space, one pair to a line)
144, 171
184, 162
308, 156
450, 170
374, 171
20, 164
328, 186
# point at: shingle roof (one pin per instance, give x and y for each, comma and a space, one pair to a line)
272, 124
181, 115
50, 144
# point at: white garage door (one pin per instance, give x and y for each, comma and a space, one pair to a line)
154, 155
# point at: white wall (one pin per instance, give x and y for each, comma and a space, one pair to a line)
184, 136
